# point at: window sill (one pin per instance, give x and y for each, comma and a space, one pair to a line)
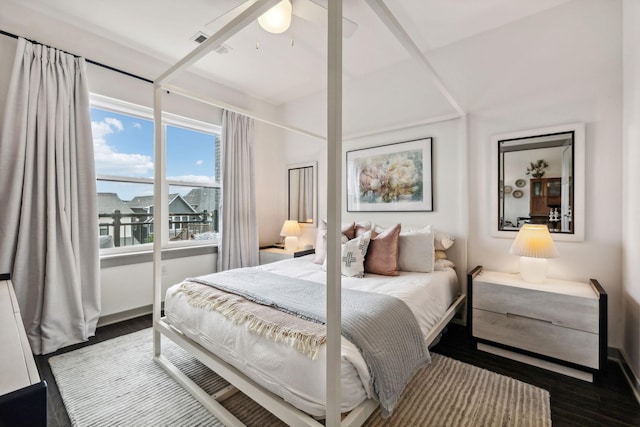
140, 256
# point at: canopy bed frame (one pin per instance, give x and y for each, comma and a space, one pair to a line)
240, 382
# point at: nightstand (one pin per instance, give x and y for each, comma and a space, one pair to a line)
559, 325
271, 254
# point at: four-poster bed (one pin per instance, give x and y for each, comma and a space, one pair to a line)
239, 380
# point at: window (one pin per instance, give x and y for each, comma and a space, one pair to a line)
123, 140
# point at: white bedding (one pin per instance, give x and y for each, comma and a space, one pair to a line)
283, 370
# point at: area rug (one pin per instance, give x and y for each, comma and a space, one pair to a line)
116, 383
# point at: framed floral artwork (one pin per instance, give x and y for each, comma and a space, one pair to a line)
394, 177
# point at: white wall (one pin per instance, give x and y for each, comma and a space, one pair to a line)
630, 188
449, 195
128, 287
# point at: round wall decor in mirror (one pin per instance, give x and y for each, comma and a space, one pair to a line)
518, 194
520, 183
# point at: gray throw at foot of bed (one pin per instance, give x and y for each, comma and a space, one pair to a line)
383, 327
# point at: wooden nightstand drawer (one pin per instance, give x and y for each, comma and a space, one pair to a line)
571, 311
537, 336
559, 324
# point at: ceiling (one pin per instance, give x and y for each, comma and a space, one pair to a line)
278, 72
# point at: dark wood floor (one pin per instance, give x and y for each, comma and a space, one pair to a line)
573, 402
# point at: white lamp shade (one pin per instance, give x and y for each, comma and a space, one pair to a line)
290, 231
534, 241
534, 245
277, 19
290, 228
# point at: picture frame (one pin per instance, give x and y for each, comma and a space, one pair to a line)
395, 177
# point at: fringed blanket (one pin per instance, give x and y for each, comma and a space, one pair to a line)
382, 327
305, 336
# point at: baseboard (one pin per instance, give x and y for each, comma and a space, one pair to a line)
544, 364
125, 315
620, 357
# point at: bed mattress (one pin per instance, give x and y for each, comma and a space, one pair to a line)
285, 371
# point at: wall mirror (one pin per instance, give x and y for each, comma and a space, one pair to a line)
303, 193
539, 179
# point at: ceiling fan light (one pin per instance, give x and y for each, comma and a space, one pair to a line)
277, 19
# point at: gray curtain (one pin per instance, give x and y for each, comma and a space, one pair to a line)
49, 229
239, 230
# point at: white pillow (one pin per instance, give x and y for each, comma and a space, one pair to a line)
416, 251
352, 256
441, 241
443, 264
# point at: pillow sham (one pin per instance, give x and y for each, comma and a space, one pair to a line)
443, 264
352, 256
416, 251
362, 227
441, 240
382, 254
347, 229
440, 254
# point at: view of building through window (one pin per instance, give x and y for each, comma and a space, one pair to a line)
123, 145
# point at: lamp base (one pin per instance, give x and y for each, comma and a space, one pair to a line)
290, 243
533, 270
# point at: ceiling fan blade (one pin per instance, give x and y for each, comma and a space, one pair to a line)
316, 13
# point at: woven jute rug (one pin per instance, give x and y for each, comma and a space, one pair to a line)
117, 383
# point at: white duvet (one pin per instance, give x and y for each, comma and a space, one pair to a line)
283, 370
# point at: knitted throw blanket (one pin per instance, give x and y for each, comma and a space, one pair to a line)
382, 327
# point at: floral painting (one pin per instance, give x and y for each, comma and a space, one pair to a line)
394, 177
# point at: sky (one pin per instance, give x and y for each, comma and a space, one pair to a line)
123, 146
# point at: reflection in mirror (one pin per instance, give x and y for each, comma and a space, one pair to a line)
302, 193
536, 182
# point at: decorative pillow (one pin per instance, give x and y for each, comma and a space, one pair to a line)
362, 227
416, 251
440, 254
442, 241
352, 256
443, 264
321, 242
348, 229
382, 254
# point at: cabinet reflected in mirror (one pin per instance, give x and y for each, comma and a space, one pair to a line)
302, 193
540, 180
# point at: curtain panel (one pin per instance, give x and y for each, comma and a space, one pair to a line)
49, 228
239, 231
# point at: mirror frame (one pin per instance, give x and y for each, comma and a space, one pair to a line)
314, 167
579, 183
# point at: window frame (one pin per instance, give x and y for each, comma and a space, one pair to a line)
146, 113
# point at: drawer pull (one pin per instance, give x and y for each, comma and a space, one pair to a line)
528, 318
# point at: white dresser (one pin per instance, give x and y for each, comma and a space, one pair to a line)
22, 394
557, 322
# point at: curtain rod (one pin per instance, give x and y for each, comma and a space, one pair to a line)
90, 61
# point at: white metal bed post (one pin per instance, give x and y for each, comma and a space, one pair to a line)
159, 190
159, 196
334, 211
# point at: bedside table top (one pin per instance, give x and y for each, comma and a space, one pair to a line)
556, 286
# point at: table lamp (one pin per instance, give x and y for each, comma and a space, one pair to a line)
290, 231
534, 245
